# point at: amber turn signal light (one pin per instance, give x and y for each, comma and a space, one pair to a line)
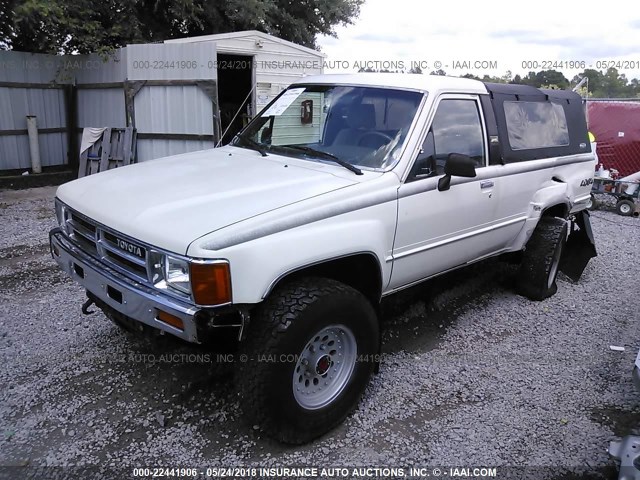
211, 283
170, 319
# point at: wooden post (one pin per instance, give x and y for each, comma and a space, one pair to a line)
131, 89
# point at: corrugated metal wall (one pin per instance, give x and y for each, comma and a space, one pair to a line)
172, 109
48, 104
100, 83
100, 107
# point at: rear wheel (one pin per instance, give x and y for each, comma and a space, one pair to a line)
541, 259
307, 359
625, 207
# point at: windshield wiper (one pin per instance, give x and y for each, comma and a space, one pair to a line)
251, 143
326, 155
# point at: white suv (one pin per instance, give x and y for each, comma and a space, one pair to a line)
344, 190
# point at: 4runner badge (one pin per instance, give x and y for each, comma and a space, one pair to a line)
586, 181
130, 247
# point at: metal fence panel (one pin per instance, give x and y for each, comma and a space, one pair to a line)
48, 105
97, 68
152, 149
173, 109
29, 67
101, 107
177, 61
14, 152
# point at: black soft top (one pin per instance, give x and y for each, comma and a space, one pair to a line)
529, 93
571, 103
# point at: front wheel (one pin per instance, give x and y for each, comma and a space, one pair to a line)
308, 358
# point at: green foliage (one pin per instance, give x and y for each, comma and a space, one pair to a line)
6, 8
84, 26
609, 84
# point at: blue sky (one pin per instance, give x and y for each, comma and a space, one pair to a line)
499, 35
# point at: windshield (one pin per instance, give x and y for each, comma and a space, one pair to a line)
360, 126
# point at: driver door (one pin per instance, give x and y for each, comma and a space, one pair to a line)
440, 230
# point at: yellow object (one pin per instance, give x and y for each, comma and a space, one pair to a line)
170, 319
592, 137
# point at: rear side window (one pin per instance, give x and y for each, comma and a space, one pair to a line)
532, 125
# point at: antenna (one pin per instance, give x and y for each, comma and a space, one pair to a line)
242, 105
580, 83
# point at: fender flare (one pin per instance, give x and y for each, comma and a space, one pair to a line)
551, 196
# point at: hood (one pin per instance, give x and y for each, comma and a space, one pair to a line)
171, 202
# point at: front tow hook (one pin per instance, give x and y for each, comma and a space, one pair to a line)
86, 305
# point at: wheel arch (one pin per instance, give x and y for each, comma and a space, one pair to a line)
560, 210
361, 270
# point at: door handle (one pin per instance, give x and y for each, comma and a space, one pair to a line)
486, 184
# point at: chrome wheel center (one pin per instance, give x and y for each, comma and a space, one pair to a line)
323, 365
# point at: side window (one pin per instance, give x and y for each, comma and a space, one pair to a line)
456, 128
536, 125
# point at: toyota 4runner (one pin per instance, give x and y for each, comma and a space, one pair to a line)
345, 189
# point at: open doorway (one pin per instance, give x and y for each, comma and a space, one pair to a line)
235, 75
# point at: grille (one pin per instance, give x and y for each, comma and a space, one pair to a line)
109, 246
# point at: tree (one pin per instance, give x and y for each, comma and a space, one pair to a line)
614, 85
530, 79
551, 78
440, 72
595, 81
609, 84
6, 6
83, 26
634, 86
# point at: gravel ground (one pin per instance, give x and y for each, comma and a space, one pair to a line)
472, 374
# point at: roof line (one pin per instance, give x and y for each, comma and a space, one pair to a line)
245, 33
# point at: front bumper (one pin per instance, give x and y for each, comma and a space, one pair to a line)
136, 301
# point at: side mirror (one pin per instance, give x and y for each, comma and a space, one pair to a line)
459, 165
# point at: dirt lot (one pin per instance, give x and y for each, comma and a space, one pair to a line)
472, 375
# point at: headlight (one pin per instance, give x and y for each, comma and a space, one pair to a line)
61, 215
176, 273
207, 282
